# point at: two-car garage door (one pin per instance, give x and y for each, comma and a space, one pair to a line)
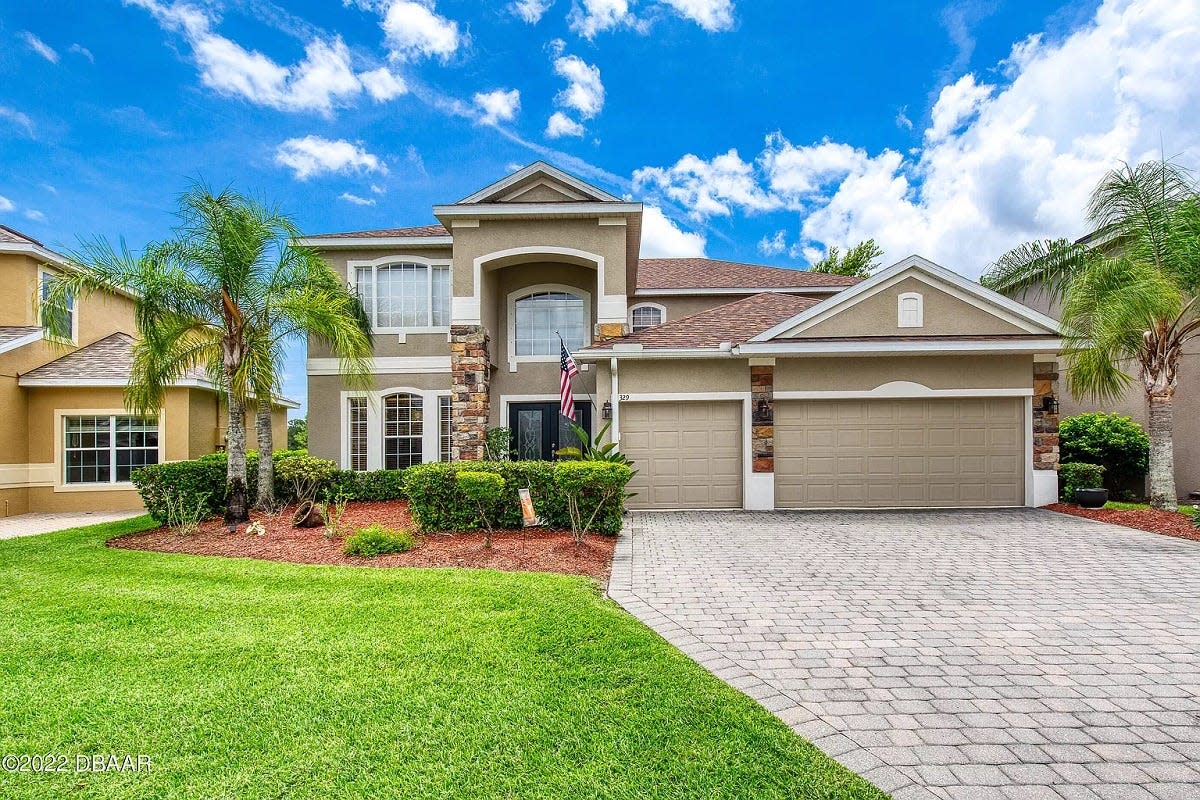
902, 452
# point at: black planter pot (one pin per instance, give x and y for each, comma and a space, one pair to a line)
1091, 498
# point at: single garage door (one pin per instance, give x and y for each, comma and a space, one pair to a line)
864, 453
688, 455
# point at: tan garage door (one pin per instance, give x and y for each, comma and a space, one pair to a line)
688, 455
863, 453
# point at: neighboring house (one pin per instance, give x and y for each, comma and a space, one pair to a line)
66, 441
730, 385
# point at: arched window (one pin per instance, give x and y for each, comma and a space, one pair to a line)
646, 316
538, 316
403, 427
910, 312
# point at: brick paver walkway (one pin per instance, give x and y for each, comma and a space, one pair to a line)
973, 654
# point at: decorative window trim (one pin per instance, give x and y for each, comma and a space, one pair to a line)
919, 320
74, 340
416, 401
352, 268
430, 444
661, 308
60, 452
525, 291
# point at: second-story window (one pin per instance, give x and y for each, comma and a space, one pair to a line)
64, 326
405, 295
544, 316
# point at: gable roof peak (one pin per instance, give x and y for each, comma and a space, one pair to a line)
493, 192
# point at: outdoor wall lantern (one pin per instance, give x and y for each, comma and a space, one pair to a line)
1050, 404
606, 410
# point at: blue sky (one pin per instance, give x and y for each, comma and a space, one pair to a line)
759, 131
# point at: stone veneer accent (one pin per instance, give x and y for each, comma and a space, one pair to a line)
1045, 424
470, 379
607, 331
762, 411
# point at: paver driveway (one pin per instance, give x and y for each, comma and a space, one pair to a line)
972, 654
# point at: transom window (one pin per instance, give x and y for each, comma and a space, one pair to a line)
644, 317
405, 295
403, 428
66, 325
540, 318
107, 449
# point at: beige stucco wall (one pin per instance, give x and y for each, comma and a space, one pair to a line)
635, 376
935, 372
944, 315
325, 410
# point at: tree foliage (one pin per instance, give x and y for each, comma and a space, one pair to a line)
858, 262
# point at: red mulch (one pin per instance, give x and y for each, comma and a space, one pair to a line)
512, 551
1168, 523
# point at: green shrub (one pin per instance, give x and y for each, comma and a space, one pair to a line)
485, 490
377, 540
379, 486
437, 504
305, 476
593, 489
1078, 476
1115, 442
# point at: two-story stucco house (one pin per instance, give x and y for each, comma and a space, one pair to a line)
731, 385
67, 443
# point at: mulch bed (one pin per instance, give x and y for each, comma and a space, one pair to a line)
1168, 523
512, 551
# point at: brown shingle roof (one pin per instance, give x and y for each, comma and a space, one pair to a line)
110, 358
388, 233
13, 236
711, 273
735, 322
10, 333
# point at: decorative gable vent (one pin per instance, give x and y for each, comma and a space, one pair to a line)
910, 310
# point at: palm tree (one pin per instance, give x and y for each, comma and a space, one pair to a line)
1129, 294
223, 295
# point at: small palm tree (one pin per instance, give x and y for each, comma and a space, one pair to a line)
225, 294
1129, 294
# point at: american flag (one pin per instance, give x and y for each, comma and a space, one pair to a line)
568, 370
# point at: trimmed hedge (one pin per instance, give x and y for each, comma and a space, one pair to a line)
1078, 476
438, 504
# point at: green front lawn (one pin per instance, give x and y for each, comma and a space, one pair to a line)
247, 679
1116, 505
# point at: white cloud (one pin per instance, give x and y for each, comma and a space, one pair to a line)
530, 10
712, 15
314, 155
382, 84
38, 46
773, 245
589, 17
585, 91
498, 105
356, 200
6, 204
413, 30
18, 118
560, 125
1000, 164
322, 80
35, 215
662, 238
79, 49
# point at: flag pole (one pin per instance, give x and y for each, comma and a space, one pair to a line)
591, 399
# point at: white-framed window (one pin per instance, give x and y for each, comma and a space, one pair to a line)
357, 430
403, 430
46, 281
910, 311
444, 429
404, 295
646, 315
107, 448
540, 316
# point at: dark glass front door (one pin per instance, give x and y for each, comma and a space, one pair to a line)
538, 430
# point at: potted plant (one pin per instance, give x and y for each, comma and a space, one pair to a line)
1083, 483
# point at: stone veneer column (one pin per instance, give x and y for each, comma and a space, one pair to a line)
470, 379
762, 411
607, 331
1045, 423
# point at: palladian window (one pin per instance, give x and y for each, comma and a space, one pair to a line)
540, 318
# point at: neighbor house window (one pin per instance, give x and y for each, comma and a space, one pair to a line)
910, 312
643, 317
540, 318
358, 434
403, 427
66, 324
444, 429
400, 296
107, 449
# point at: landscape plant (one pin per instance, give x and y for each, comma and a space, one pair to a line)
376, 540
485, 490
590, 488
304, 474
1072, 476
1113, 441
498, 443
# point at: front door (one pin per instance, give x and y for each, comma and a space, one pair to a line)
539, 431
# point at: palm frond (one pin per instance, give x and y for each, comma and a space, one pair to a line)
1048, 264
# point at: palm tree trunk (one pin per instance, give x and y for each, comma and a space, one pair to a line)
266, 446
237, 507
1162, 452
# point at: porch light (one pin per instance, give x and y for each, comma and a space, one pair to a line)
606, 410
1050, 404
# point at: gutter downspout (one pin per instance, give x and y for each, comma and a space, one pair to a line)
615, 430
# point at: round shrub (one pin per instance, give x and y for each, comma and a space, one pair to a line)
376, 540
1115, 442
1078, 476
